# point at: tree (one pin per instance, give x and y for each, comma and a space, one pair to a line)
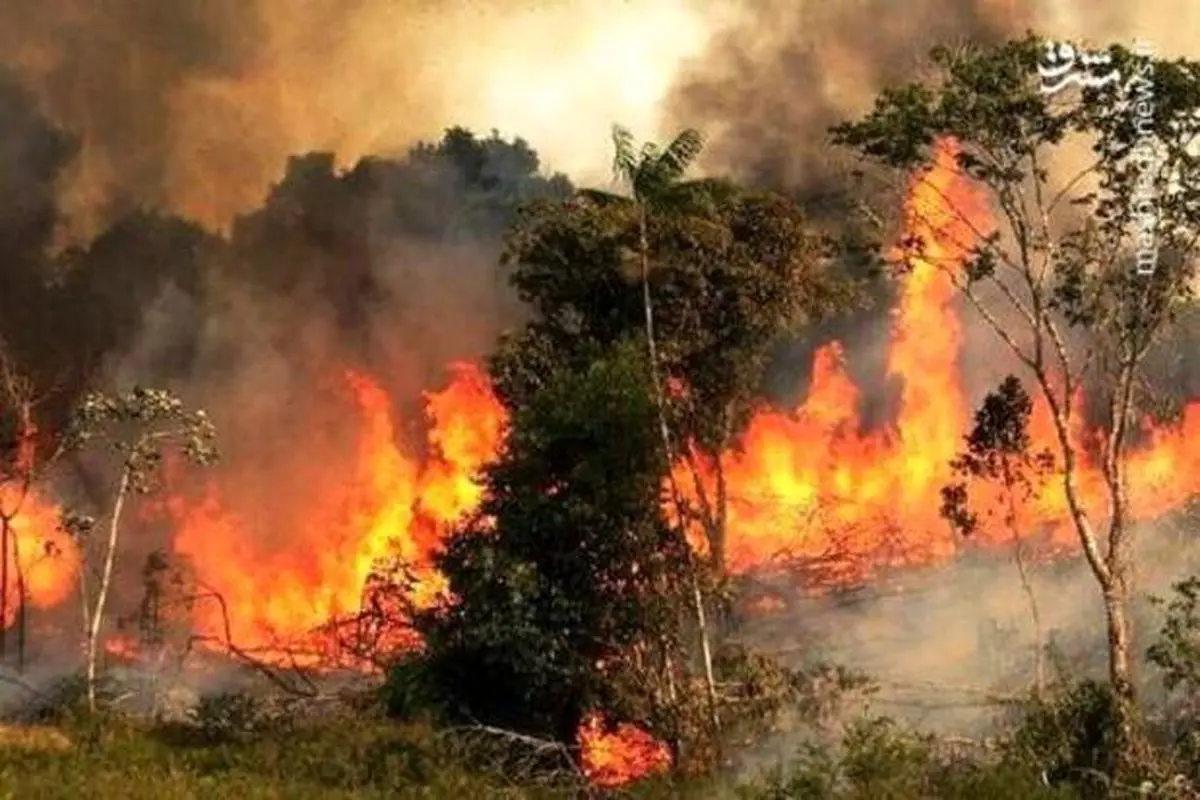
999, 450
568, 584
653, 178
142, 427
1058, 280
19, 470
732, 271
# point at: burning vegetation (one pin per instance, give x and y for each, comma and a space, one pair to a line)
538, 532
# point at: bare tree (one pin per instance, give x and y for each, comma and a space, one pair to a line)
19, 471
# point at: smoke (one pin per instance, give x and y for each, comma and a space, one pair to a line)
195, 106
781, 73
949, 646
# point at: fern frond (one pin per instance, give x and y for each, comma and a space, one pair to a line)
680, 154
625, 158
601, 197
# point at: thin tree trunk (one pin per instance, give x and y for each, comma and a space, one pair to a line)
1039, 648
5, 532
1120, 673
1119, 560
97, 613
1039, 638
665, 431
22, 603
1011, 482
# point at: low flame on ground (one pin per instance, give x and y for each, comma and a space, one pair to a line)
613, 758
809, 482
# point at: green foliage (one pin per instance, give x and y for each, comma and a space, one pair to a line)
998, 449
1068, 254
730, 277
1177, 651
1071, 737
568, 577
346, 758
653, 174
879, 759
139, 426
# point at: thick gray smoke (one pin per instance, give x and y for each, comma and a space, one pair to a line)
769, 86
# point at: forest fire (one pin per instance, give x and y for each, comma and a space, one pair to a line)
393, 507
40, 554
808, 482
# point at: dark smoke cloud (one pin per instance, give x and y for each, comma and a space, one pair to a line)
110, 71
33, 153
770, 85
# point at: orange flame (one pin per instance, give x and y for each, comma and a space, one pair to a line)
45, 555
37, 552
810, 484
613, 758
393, 507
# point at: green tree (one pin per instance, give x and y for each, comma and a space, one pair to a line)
732, 271
1062, 279
568, 583
141, 427
999, 451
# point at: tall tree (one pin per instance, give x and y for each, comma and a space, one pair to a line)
1062, 278
567, 585
653, 177
712, 276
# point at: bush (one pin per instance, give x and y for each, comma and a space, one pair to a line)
878, 760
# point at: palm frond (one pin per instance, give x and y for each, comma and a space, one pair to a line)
625, 157
602, 198
705, 194
680, 154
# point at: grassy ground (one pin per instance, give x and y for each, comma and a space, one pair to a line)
119, 760
367, 758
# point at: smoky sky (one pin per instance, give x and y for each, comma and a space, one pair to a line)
768, 87
109, 70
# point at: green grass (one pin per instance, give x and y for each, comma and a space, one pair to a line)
347, 760
365, 757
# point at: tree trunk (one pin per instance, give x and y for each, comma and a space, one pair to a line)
1039, 646
665, 431
97, 612
5, 536
1014, 527
1120, 671
22, 604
